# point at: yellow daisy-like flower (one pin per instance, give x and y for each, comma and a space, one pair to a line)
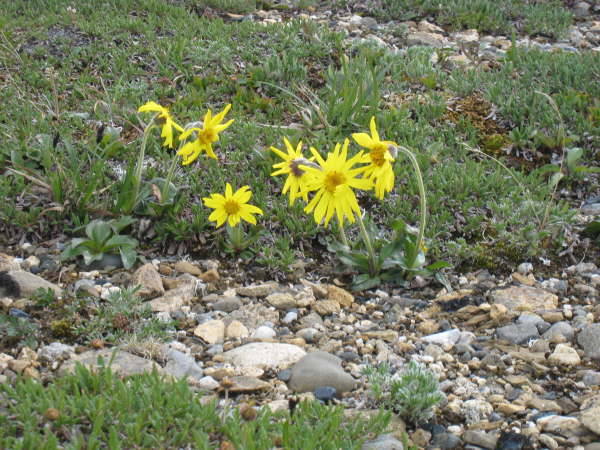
232, 207
290, 166
164, 119
334, 182
205, 137
380, 170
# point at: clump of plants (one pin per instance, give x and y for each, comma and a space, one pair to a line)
103, 410
103, 238
411, 393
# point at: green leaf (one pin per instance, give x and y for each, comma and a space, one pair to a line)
555, 179
120, 241
438, 265
121, 223
365, 281
128, 256
98, 231
573, 155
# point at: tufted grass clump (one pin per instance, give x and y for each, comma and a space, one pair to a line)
411, 393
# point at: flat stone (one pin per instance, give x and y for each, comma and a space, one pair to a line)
257, 290
518, 333
589, 339
445, 338
265, 355
149, 281
562, 425
281, 300
590, 418
435, 40
326, 307
208, 383
480, 439
542, 404
180, 365
339, 295
471, 35
18, 283
525, 298
565, 355
227, 304
386, 335
429, 27
188, 267
55, 352
236, 330
247, 384
318, 369
123, 363
212, 331
383, 442
175, 298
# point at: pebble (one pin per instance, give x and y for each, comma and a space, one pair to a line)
264, 332
318, 369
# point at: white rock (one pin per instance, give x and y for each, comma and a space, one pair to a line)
264, 355
264, 332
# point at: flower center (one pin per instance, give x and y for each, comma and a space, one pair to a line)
231, 207
333, 180
295, 169
377, 155
207, 136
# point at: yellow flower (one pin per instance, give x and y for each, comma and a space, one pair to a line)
232, 207
334, 181
164, 119
205, 137
380, 170
297, 177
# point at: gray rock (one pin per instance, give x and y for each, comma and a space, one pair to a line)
264, 333
589, 339
480, 439
559, 329
383, 442
591, 378
258, 290
290, 317
591, 209
312, 320
477, 410
55, 352
265, 355
446, 441
581, 9
319, 369
449, 337
227, 304
435, 40
308, 334
181, 365
18, 283
121, 363
518, 334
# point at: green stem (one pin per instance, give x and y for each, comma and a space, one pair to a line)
137, 180
343, 235
368, 244
167, 186
422, 196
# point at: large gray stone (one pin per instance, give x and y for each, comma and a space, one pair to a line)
18, 283
180, 365
265, 355
383, 442
519, 333
318, 369
589, 339
123, 363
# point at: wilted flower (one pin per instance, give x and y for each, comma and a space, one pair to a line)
164, 120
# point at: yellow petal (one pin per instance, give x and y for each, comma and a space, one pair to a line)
374, 133
219, 117
363, 139
151, 106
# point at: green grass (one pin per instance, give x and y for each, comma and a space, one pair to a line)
67, 73
102, 410
546, 18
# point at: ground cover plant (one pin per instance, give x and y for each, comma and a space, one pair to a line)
103, 410
74, 82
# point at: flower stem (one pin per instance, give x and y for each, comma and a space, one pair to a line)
368, 244
137, 179
343, 235
167, 186
422, 196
